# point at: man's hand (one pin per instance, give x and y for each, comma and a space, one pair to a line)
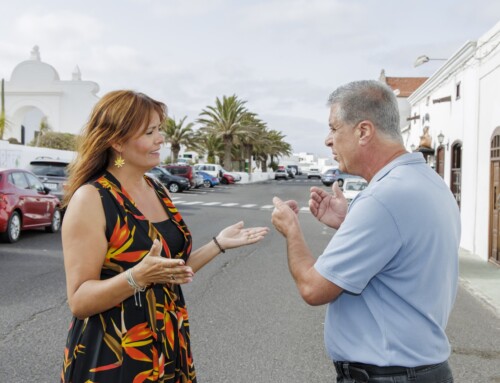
285, 215
329, 209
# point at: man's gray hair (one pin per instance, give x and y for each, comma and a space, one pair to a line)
368, 100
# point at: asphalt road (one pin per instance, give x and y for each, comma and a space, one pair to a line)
248, 323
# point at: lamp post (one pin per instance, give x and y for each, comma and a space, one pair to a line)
423, 59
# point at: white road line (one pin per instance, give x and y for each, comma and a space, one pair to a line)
304, 209
249, 205
267, 206
211, 203
230, 204
192, 203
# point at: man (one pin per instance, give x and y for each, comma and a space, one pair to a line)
389, 274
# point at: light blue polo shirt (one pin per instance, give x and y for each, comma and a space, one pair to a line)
396, 257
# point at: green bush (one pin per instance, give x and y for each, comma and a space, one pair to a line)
56, 140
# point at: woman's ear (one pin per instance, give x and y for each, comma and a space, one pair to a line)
117, 147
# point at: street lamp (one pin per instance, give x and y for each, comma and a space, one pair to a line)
423, 59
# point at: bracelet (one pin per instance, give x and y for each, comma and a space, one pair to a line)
218, 245
137, 289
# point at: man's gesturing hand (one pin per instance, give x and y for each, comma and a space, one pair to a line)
329, 209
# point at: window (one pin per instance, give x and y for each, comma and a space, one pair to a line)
457, 91
18, 179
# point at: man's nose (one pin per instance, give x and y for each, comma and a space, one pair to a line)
328, 140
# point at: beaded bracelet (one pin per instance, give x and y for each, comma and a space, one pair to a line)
218, 245
137, 289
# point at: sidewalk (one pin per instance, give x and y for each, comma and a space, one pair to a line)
481, 278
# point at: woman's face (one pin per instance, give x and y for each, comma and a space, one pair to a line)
143, 150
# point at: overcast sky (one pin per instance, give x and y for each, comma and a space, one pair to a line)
284, 57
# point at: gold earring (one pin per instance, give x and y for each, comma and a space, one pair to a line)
119, 161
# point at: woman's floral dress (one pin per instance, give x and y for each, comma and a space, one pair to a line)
143, 340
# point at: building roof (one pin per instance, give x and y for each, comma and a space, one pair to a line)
405, 85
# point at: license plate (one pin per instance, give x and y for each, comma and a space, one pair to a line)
51, 186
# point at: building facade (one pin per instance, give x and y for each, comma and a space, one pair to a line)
455, 123
35, 92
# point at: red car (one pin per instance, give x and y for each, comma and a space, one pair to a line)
25, 203
227, 179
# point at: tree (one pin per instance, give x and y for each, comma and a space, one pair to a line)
177, 135
225, 120
44, 129
56, 140
3, 119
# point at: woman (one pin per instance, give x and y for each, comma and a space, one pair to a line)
127, 250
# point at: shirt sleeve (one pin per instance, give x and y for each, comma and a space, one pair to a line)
365, 243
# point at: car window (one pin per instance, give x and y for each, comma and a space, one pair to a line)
44, 169
155, 171
35, 183
18, 179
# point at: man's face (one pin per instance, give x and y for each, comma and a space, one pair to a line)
343, 141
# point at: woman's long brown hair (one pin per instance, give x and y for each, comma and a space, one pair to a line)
117, 117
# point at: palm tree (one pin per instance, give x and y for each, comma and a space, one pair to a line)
3, 120
177, 135
271, 145
254, 132
211, 145
44, 129
225, 120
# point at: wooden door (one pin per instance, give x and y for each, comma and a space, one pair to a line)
494, 237
440, 161
456, 171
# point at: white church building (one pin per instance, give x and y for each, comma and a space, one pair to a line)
35, 90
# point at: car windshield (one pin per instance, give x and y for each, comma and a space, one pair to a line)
55, 170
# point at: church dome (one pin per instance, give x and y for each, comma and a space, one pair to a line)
34, 70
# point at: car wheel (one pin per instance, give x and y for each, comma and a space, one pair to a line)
207, 184
13, 228
55, 225
174, 188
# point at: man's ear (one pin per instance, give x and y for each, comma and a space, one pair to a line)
365, 131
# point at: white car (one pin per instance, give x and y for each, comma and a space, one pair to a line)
353, 186
216, 171
313, 172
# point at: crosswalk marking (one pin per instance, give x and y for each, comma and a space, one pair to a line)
212, 203
249, 205
267, 207
304, 208
230, 204
191, 203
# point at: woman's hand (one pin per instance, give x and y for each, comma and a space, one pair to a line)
236, 235
156, 269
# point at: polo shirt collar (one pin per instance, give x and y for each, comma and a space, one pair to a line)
404, 159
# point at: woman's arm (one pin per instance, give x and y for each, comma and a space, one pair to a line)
85, 246
229, 238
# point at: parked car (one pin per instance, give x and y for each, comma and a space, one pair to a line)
313, 173
186, 171
281, 174
209, 181
227, 179
25, 203
174, 184
199, 180
294, 169
218, 171
353, 186
334, 174
53, 174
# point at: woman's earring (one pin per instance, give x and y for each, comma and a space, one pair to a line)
119, 161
